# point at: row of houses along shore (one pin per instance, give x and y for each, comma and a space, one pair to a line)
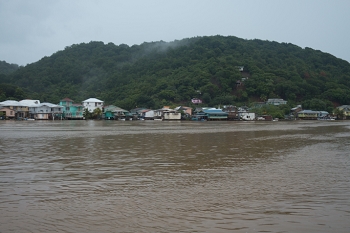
68, 110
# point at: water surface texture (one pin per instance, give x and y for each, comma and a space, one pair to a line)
146, 176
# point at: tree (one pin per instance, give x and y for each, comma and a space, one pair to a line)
97, 113
149, 73
87, 115
2, 96
269, 109
206, 98
317, 105
19, 93
339, 114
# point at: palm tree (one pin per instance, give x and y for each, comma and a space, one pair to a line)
97, 113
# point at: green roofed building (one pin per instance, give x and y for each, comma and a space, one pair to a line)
211, 114
112, 112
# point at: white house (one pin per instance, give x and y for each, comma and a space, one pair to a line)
28, 102
167, 114
171, 115
92, 103
20, 110
148, 115
276, 101
246, 116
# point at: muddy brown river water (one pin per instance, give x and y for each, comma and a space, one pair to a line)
137, 176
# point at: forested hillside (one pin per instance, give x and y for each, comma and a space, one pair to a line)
7, 68
165, 73
8, 90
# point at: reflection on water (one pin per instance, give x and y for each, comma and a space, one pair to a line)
110, 176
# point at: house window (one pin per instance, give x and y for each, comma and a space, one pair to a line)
95, 104
67, 108
11, 113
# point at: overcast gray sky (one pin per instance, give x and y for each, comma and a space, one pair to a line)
32, 29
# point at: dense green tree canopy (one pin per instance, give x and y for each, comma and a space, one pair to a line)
158, 73
6, 68
11, 92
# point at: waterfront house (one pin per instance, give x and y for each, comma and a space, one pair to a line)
200, 116
136, 112
147, 114
92, 104
167, 114
323, 115
112, 112
70, 110
142, 113
6, 113
232, 112
186, 110
307, 115
158, 114
171, 114
45, 111
25, 106
211, 114
20, 111
246, 116
346, 110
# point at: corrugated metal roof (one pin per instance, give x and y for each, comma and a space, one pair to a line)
28, 102
51, 105
214, 110
67, 99
94, 100
113, 108
308, 111
11, 103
